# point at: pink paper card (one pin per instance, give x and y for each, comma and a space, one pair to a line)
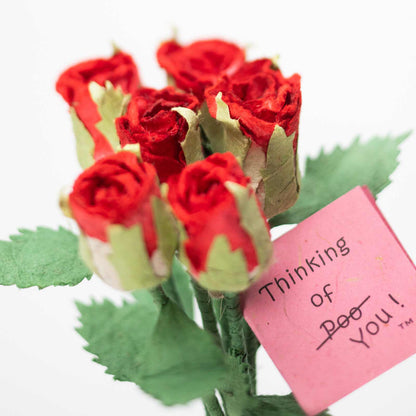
338, 306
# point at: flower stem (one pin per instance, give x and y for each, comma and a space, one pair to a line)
212, 405
159, 296
209, 322
235, 323
237, 348
252, 344
219, 308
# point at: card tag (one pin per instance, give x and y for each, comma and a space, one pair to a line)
338, 306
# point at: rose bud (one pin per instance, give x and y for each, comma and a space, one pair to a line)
164, 124
128, 235
195, 67
254, 113
224, 237
74, 87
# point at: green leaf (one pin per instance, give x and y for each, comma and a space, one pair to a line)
182, 362
331, 175
41, 258
118, 336
235, 393
111, 103
84, 142
275, 406
178, 288
160, 350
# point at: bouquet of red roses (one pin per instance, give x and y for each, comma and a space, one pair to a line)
178, 192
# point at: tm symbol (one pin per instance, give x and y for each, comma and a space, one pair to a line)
405, 324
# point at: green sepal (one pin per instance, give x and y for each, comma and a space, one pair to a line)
253, 165
41, 258
183, 237
170, 81
281, 179
182, 362
331, 175
118, 335
116, 48
225, 270
252, 221
85, 252
85, 145
132, 148
111, 103
191, 145
130, 258
223, 132
166, 230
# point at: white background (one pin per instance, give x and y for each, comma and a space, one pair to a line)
358, 65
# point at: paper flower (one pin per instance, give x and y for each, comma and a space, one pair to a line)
129, 236
165, 125
225, 239
254, 113
196, 66
73, 85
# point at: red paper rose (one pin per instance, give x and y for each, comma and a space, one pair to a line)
254, 113
117, 189
198, 65
204, 198
259, 97
128, 234
151, 122
120, 70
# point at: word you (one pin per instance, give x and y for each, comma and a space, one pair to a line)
371, 328
306, 268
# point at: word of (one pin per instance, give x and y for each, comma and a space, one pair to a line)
311, 264
317, 299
